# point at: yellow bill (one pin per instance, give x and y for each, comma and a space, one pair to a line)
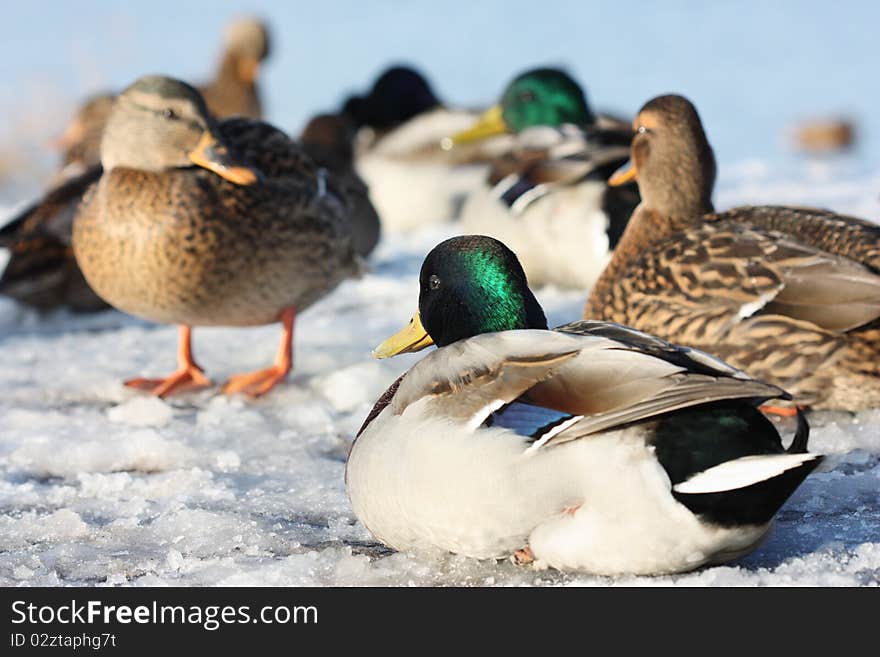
624, 175
412, 337
214, 156
490, 123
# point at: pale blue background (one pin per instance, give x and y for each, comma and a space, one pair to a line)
753, 68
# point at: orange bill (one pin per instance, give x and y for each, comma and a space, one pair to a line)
623, 176
214, 156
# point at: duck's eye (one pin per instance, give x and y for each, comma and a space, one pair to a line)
433, 282
527, 96
642, 130
169, 113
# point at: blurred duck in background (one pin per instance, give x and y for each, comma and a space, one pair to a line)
399, 150
232, 92
42, 272
80, 144
790, 295
201, 223
327, 138
546, 196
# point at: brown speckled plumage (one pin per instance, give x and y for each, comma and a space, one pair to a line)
790, 295
42, 271
200, 223
186, 246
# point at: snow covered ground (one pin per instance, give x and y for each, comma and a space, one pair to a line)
100, 485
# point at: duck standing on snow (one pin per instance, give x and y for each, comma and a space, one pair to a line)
591, 447
232, 92
327, 138
547, 196
42, 271
790, 295
399, 151
200, 223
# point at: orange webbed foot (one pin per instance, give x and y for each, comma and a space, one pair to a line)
781, 411
260, 382
256, 383
189, 378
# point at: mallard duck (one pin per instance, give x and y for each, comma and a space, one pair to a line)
233, 91
327, 138
547, 197
592, 447
413, 179
80, 144
200, 223
42, 271
790, 295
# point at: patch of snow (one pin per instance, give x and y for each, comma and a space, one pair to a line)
102, 485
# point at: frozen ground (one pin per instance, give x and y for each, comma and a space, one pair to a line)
100, 485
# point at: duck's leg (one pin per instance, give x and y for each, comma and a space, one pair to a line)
781, 411
262, 381
188, 375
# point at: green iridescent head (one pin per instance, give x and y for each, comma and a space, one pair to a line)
544, 96
474, 284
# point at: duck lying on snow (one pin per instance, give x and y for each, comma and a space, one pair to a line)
401, 126
591, 447
790, 295
546, 196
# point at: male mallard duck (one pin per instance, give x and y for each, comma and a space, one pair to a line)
590, 447
327, 138
399, 151
547, 197
200, 223
790, 295
42, 271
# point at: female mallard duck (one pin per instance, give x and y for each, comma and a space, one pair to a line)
591, 447
790, 295
208, 224
42, 271
233, 91
399, 151
547, 197
80, 144
327, 139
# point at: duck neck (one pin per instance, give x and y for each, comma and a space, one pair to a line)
229, 74
646, 227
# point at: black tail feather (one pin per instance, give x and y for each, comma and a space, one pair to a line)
801, 435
